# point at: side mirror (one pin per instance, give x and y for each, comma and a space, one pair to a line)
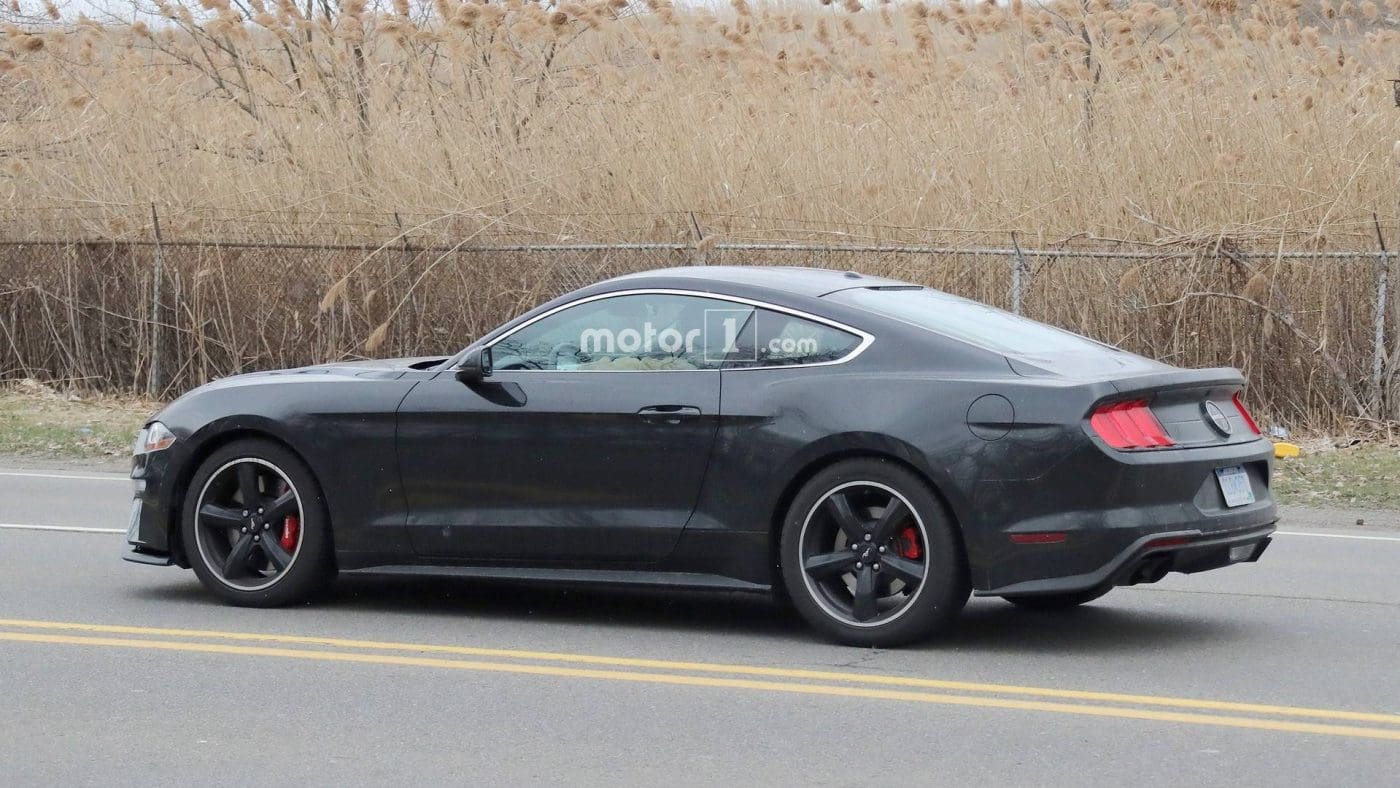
475, 366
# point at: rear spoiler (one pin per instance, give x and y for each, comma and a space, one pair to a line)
1102, 382
1179, 379
1130, 375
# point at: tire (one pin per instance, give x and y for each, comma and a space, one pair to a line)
212, 538
832, 571
1057, 601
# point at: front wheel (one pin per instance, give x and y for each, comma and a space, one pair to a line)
870, 557
254, 526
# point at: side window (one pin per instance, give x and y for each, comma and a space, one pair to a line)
775, 339
628, 333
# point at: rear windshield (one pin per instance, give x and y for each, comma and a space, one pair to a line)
969, 321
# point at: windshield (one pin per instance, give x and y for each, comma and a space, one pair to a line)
970, 321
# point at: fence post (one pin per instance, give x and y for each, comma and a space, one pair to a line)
701, 253
153, 382
1018, 270
411, 296
1378, 347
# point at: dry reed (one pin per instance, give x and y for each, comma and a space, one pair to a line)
1207, 126
1262, 121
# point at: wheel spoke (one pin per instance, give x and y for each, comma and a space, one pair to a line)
275, 554
840, 508
283, 506
827, 565
911, 572
895, 513
237, 562
215, 516
863, 605
248, 484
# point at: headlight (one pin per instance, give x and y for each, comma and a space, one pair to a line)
153, 438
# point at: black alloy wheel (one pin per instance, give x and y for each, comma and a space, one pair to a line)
870, 556
254, 526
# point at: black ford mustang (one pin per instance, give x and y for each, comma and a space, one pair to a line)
870, 449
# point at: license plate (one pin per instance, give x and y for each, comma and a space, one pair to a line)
1234, 485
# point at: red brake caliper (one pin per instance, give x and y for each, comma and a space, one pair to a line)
908, 544
291, 528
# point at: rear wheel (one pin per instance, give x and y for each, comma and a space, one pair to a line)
255, 527
1057, 601
870, 557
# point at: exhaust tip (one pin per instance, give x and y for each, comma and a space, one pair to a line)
1152, 569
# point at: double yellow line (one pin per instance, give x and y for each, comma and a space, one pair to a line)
1329, 722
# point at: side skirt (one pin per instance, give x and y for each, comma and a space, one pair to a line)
573, 577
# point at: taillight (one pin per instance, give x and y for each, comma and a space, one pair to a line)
1244, 414
1129, 425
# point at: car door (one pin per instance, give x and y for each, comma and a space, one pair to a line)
588, 443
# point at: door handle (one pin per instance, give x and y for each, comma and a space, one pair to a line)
668, 414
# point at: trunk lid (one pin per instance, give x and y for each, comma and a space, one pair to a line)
1196, 407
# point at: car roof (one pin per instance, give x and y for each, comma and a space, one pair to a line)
808, 282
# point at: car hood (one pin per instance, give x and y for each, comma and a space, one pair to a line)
381, 369
377, 367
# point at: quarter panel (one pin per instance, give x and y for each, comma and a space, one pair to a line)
778, 422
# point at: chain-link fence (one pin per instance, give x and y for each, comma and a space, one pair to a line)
1313, 331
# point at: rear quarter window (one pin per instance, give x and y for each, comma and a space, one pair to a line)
776, 339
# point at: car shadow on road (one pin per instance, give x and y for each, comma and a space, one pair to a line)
505, 602
639, 609
986, 625
1105, 626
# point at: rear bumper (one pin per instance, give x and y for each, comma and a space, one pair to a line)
1104, 515
1151, 557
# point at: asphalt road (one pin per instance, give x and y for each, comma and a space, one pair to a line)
1283, 672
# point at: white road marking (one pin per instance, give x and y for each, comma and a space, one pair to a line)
67, 528
115, 477
1340, 536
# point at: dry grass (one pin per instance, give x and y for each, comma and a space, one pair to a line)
1212, 126
37, 421
1270, 122
1351, 475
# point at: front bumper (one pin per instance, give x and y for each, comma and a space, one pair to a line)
148, 536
